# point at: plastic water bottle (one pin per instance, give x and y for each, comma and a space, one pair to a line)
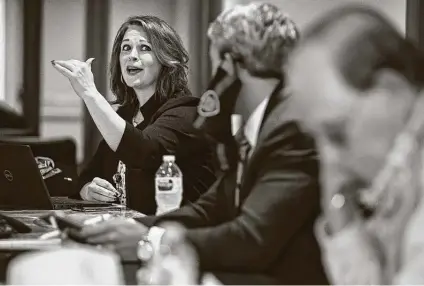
169, 186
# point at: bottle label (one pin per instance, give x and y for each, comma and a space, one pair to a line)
169, 185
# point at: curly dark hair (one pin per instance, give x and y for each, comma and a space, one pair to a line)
168, 48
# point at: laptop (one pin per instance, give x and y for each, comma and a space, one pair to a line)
22, 185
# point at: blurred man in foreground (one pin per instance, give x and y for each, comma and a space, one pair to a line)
363, 102
255, 224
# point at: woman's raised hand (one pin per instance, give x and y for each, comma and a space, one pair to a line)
79, 75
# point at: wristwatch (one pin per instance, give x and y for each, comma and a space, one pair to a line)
145, 250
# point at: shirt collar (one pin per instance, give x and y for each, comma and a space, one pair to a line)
251, 129
150, 107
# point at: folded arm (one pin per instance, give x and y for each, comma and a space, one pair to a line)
280, 203
284, 197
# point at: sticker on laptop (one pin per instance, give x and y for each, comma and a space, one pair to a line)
47, 167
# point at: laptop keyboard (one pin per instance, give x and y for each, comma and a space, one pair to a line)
69, 201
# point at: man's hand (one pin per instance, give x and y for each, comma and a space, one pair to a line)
121, 235
99, 190
176, 263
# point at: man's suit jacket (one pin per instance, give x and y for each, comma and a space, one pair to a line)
272, 231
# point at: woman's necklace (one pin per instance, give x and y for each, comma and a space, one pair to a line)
137, 119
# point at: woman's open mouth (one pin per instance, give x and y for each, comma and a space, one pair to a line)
133, 70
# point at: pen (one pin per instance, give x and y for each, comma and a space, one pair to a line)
51, 234
97, 219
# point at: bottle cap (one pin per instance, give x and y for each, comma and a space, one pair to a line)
168, 158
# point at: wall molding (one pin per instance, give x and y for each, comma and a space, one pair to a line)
61, 99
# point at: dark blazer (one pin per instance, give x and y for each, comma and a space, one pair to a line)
272, 232
167, 129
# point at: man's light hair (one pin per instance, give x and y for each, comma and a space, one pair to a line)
258, 35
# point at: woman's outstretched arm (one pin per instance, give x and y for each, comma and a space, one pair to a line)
109, 123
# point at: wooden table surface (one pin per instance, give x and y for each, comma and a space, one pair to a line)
39, 226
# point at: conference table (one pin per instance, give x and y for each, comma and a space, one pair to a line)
10, 248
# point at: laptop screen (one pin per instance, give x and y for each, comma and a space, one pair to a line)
21, 183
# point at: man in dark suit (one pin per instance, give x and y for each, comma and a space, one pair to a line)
256, 228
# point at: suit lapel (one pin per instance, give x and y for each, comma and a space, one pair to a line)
278, 113
274, 100
274, 115
273, 120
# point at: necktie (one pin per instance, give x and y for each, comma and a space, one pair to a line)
243, 150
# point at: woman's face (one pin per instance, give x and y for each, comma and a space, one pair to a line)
139, 64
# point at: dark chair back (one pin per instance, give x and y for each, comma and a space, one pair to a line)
9, 118
62, 151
